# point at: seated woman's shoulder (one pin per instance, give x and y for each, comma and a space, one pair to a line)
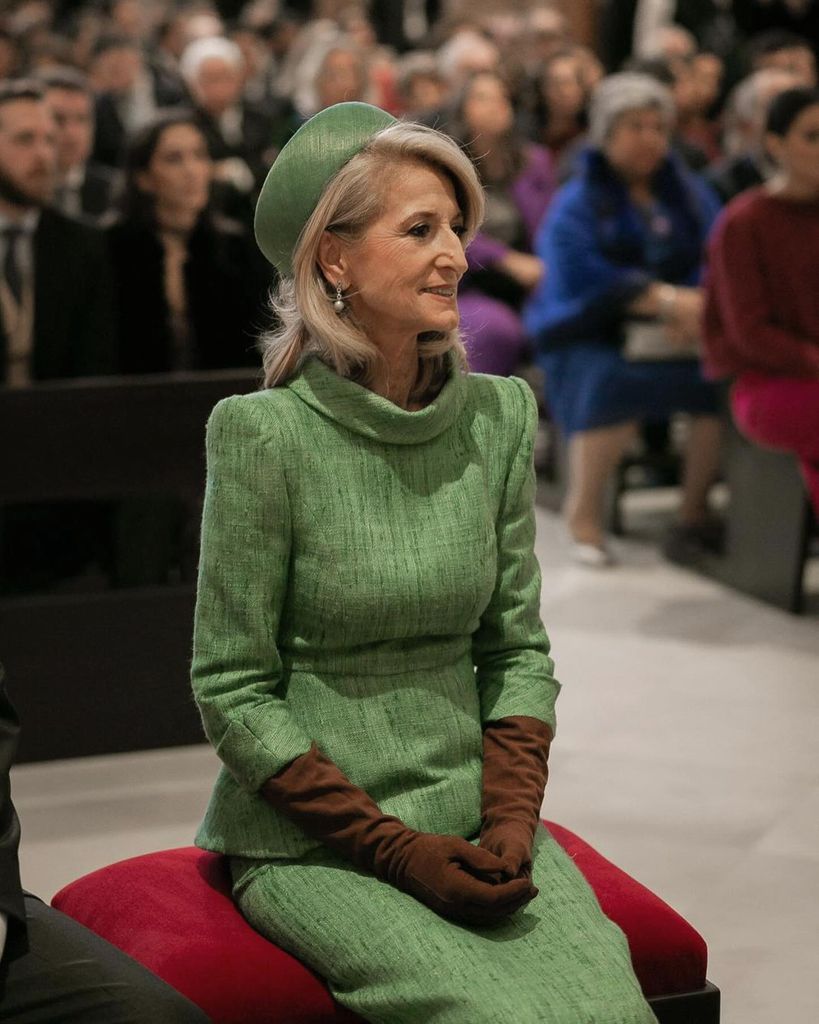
748, 213
264, 413
507, 400
750, 203
574, 197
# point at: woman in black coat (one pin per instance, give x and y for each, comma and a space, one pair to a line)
191, 289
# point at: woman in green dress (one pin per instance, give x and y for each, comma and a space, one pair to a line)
369, 659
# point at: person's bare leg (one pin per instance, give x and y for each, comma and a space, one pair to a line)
702, 461
593, 456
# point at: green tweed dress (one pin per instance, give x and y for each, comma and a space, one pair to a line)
368, 581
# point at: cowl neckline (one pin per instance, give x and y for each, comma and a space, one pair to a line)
373, 416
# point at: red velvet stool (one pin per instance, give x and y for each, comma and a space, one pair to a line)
172, 911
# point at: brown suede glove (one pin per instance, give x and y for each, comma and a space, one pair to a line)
448, 874
515, 770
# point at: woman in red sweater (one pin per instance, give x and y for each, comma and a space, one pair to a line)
762, 297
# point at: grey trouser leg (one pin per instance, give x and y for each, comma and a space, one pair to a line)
71, 975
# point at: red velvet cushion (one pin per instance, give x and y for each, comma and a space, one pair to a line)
668, 954
172, 911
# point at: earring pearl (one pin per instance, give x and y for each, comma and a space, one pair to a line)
339, 305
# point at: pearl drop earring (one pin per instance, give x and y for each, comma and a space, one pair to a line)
339, 304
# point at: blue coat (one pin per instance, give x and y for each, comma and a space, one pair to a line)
600, 252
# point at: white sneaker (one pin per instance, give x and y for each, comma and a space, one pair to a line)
594, 556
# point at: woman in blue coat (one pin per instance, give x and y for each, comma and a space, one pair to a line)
617, 317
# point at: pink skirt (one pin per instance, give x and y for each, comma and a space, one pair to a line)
782, 413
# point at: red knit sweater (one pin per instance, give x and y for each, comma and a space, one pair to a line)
762, 288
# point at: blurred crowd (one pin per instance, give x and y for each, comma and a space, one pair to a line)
135, 134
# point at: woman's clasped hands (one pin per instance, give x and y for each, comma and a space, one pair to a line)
456, 879
465, 883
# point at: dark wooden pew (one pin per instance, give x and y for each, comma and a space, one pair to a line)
769, 525
105, 671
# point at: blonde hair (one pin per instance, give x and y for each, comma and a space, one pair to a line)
349, 204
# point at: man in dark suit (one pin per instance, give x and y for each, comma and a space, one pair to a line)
56, 306
56, 320
51, 967
85, 189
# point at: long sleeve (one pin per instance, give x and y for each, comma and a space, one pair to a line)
742, 328
584, 293
510, 648
11, 892
237, 671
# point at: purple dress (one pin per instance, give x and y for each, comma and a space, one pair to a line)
490, 318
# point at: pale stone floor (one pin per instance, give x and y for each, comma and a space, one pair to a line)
688, 753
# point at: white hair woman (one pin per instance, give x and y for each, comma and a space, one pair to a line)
242, 136
334, 69
617, 319
369, 659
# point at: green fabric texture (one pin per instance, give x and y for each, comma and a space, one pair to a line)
303, 169
368, 581
391, 960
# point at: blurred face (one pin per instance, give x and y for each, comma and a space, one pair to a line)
426, 93
28, 153
116, 70
638, 144
8, 58
361, 32
218, 85
178, 175
480, 55
74, 118
684, 89
203, 25
563, 87
174, 38
252, 52
547, 32
487, 109
799, 61
798, 151
708, 69
340, 79
592, 71
676, 43
129, 18
284, 37
403, 273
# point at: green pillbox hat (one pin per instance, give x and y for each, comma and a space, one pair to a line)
306, 164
